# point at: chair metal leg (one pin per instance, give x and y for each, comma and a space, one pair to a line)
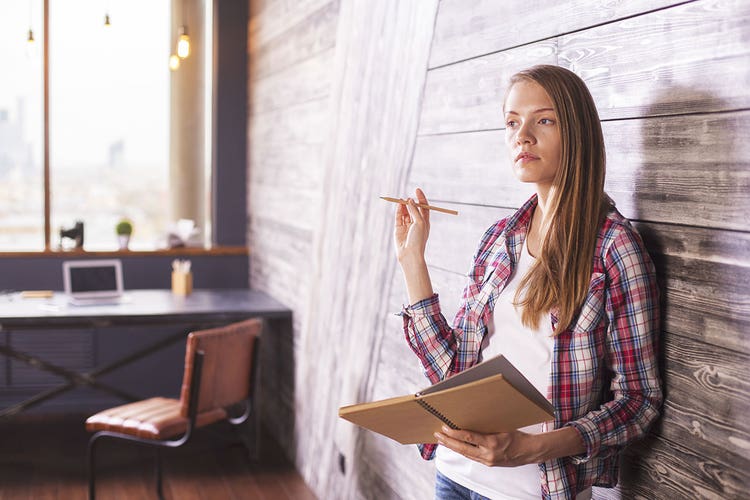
92, 467
157, 459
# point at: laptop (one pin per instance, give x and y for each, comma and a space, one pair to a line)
93, 282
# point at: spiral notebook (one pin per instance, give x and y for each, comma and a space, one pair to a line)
492, 396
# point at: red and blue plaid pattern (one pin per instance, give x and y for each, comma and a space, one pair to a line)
604, 380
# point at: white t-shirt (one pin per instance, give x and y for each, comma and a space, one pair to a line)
531, 352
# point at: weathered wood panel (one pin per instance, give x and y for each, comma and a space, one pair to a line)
666, 74
688, 59
690, 170
682, 169
271, 18
279, 254
375, 101
683, 178
454, 239
285, 145
304, 123
307, 81
714, 424
314, 34
469, 95
705, 279
466, 29
657, 468
444, 164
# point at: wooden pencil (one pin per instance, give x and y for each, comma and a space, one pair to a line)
421, 205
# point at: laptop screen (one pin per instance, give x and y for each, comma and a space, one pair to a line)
93, 278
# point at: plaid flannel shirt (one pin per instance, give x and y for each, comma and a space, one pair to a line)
604, 379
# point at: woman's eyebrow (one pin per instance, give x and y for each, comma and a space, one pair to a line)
511, 112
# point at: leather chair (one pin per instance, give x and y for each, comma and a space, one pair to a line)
220, 370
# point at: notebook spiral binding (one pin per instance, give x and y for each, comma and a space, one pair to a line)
427, 406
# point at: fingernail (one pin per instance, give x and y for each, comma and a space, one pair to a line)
445, 429
438, 436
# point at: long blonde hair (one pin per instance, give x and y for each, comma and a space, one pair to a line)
561, 275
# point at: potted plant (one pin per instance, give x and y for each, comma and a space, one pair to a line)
124, 229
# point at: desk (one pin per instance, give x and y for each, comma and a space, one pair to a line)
140, 309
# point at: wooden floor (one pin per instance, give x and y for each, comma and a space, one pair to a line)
45, 458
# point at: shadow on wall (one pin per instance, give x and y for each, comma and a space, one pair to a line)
277, 387
667, 188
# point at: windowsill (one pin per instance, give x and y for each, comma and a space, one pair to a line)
172, 252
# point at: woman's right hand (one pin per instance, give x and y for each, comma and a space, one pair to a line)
410, 233
411, 230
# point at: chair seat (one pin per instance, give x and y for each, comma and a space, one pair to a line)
155, 418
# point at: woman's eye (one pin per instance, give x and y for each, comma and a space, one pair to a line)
510, 123
546, 121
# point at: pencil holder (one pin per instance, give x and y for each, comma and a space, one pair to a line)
182, 283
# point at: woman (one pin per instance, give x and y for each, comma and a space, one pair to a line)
564, 288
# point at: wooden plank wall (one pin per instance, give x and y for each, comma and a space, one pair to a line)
671, 83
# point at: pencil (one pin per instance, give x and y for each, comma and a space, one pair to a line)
421, 205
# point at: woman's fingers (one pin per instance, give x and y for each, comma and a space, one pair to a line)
421, 198
402, 215
414, 211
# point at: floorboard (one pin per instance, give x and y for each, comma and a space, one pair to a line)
44, 457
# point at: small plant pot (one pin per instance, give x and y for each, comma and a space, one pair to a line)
123, 240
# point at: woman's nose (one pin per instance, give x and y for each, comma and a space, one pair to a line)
524, 135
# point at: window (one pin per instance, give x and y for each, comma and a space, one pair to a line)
109, 119
21, 129
109, 122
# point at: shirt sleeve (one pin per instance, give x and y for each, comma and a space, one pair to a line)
632, 309
440, 347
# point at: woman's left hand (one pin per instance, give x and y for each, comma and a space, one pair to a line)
506, 449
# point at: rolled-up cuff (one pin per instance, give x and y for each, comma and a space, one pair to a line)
425, 307
591, 438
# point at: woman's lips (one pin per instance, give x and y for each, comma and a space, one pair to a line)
526, 156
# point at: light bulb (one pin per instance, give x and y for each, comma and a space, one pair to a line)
174, 62
183, 43
30, 45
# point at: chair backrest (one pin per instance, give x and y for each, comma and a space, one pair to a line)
227, 365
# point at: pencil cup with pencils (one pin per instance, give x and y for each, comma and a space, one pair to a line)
182, 277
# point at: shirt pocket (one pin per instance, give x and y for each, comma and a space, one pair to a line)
592, 314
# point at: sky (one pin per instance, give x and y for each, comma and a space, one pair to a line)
106, 84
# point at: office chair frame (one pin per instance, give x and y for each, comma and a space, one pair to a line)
172, 443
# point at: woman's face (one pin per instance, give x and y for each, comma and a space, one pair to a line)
532, 134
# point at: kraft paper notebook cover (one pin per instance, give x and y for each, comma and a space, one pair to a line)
492, 396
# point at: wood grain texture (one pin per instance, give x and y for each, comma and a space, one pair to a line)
690, 170
657, 468
704, 278
687, 59
297, 84
664, 74
375, 101
313, 34
305, 123
472, 168
469, 95
713, 424
335, 92
270, 18
467, 29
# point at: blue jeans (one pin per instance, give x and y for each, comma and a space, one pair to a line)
447, 489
